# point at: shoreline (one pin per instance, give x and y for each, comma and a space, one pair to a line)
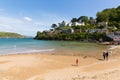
62, 53
67, 52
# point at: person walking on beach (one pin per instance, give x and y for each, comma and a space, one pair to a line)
104, 55
107, 55
76, 62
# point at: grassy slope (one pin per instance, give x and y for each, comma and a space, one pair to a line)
10, 35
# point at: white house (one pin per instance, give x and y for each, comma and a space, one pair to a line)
78, 24
63, 24
69, 24
103, 24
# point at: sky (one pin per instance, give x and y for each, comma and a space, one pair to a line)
26, 17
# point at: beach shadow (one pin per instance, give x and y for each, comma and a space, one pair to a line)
74, 65
84, 57
100, 59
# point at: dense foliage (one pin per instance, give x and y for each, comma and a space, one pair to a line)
112, 16
74, 36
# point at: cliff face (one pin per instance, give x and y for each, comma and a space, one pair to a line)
10, 35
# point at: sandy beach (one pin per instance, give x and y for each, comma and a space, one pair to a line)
59, 67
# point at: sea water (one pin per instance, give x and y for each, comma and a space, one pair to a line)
29, 45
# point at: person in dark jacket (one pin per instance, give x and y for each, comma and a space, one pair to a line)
104, 53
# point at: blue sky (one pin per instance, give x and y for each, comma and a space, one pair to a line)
29, 16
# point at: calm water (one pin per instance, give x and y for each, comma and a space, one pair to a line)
29, 45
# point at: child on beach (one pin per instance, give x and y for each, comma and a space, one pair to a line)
76, 62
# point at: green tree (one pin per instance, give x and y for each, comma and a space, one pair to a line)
102, 17
83, 19
53, 26
74, 20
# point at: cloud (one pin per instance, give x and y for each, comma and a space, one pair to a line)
10, 24
28, 19
26, 25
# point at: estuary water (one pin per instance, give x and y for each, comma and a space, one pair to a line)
29, 45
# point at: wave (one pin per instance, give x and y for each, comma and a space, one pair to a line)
35, 51
30, 51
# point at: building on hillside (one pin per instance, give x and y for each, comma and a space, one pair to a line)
98, 30
57, 30
115, 36
78, 24
69, 24
93, 21
67, 31
63, 24
117, 33
103, 24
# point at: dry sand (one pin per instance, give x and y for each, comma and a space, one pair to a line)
59, 67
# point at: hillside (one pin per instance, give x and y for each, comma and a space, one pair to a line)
10, 35
85, 28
